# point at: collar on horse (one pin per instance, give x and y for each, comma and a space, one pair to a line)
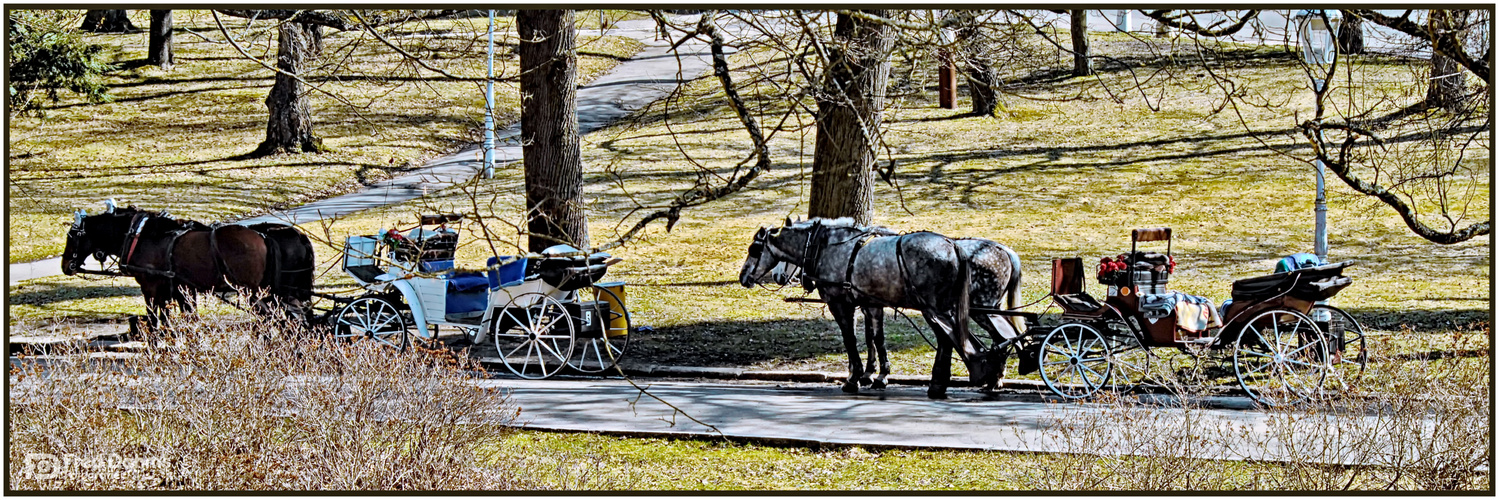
132, 237
813, 255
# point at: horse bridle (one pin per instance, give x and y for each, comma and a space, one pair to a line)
127, 246
77, 231
757, 248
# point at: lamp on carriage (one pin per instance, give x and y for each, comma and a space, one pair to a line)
1316, 31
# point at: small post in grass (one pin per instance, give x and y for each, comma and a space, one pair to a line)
947, 80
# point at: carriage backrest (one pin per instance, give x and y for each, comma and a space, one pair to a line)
1067, 276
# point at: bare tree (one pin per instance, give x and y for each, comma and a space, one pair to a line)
299, 41
1081, 65
549, 129
159, 51
974, 47
1448, 80
1448, 40
1351, 35
850, 104
107, 21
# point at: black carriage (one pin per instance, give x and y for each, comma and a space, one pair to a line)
1284, 342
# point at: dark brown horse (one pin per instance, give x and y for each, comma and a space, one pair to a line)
168, 257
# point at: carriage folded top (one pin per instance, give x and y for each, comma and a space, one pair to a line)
1310, 284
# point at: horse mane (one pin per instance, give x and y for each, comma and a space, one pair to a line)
160, 220
849, 223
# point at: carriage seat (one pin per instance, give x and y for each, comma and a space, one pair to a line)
467, 295
424, 245
1193, 313
572, 272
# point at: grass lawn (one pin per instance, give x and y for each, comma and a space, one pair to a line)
175, 139
598, 462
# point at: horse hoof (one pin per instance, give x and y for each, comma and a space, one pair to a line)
851, 387
877, 384
866, 380
936, 393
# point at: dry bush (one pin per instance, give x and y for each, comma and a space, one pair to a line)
255, 406
1427, 428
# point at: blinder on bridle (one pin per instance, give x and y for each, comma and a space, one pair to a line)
77, 231
757, 249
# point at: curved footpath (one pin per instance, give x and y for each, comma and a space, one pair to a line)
633, 84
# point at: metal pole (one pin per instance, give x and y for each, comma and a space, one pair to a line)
489, 106
1321, 244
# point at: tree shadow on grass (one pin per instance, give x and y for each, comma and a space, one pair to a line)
745, 343
51, 293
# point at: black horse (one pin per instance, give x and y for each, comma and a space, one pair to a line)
853, 266
168, 257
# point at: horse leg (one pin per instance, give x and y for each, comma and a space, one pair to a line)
843, 313
942, 365
869, 345
158, 296
876, 315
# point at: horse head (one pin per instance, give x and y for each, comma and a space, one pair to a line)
758, 262
778, 253
99, 235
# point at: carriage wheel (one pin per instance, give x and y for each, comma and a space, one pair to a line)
1281, 358
1130, 361
603, 333
378, 319
533, 335
1346, 343
1074, 360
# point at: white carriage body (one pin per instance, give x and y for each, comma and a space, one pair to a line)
427, 293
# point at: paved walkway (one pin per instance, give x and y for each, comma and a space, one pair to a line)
812, 414
633, 84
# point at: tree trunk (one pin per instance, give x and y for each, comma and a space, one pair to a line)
289, 129
983, 81
160, 51
1448, 80
1081, 65
107, 21
549, 129
1351, 35
849, 109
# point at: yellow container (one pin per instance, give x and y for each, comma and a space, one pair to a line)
619, 323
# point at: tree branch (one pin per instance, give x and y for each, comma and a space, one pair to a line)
1445, 43
319, 18
1340, 166
1165, 17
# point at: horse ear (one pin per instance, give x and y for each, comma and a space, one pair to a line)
109, 206
78, 216
788, 220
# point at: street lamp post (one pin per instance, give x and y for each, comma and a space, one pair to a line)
1317, 33
489, 106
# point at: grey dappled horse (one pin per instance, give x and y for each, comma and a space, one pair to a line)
782, 273
853, 266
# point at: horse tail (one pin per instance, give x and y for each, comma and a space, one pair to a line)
1012, 290
272, 278
962, 337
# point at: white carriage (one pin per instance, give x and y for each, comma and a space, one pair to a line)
541, 312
